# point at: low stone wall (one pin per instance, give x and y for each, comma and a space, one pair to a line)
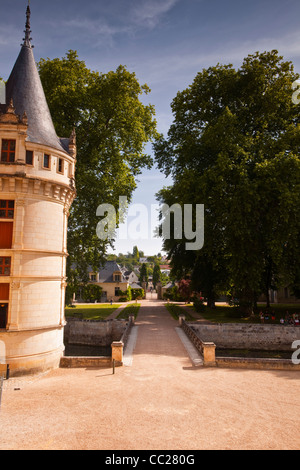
93, 333
83, 361
257, 363
97, 333
237, 336
248, 336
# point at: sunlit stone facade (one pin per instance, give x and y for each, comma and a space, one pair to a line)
37, 171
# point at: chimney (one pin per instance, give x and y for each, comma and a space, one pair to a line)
2, 92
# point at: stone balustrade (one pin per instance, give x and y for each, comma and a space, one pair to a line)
206, 349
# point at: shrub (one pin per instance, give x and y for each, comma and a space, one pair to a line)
199, 305
126, 295
173, 294
91, 293
137, 293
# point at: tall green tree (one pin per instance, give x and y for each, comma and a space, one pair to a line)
143, 277
113, 127
156, 277
135, 253
234, 146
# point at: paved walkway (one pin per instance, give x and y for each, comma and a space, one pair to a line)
114, 315
160, 401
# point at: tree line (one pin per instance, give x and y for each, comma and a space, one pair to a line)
233, 146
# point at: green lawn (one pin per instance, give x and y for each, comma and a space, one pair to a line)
91, 312
132, 309
227, 314
176, 310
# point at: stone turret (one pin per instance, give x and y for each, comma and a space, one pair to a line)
37, 188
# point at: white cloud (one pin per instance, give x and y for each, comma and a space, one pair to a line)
95, 32
93, 26
149, 13
180, 65
142, 14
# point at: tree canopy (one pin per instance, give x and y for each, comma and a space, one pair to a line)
112, 127
234, 147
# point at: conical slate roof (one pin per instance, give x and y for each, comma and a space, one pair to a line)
24, 87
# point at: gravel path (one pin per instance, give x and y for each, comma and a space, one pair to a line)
160, 401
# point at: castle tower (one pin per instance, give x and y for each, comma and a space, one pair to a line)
36, 191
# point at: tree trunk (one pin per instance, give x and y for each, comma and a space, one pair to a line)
247, 303
247, 310
268, 298
211, 303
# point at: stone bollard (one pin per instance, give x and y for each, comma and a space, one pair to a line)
131, 319
181, 318
209, 354
117, 351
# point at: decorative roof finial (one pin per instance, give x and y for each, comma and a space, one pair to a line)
27, 31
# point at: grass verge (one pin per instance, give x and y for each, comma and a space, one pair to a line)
91, 312
228, 314
176, 310
131, 309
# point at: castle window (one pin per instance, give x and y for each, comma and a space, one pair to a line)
5, 264
3, 315
7, 209
29, 157
8, 150
93, 277
6, 235
4, 292
60, 168
117, 277
46, 162
117, 291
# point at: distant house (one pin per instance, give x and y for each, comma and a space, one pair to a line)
143, 260
131, 277
150, 282
111, 279
283, 295
166, 287
165, 268
134, 285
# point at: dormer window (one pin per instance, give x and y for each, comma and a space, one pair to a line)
8, 151
117, 277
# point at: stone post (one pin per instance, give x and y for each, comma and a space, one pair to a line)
209, 354
117, 352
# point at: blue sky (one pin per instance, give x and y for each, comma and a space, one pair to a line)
165, 42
